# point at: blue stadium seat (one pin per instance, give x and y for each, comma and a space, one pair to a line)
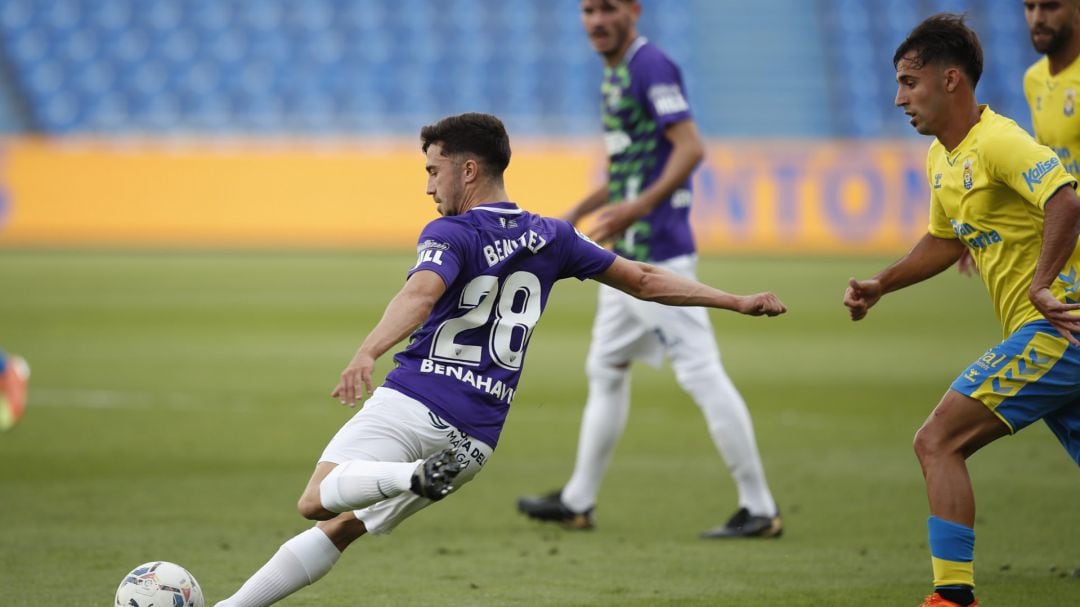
379, 65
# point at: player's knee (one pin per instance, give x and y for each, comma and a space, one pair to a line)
927, 443
691, 371
597, 368
310, 507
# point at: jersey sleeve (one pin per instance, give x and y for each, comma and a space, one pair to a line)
940, 226
582, 258
1029, 168
440, 249
658, 84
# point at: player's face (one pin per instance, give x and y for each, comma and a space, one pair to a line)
1051, 23
445, 183
609, 24
920, 92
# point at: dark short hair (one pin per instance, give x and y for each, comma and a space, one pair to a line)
946, 40
482, 135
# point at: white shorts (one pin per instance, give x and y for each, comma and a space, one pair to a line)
627, 329
395, 428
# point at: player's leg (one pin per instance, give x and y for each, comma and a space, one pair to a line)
603, 422
299, 562
617, 337
1034, 374
958, 427
14, 377
695, 358
390, 427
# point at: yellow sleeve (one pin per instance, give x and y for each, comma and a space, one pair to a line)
1030, 169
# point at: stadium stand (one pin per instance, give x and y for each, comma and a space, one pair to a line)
777, 68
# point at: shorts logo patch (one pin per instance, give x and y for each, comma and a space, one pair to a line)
437, 422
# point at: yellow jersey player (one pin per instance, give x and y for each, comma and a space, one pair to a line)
1052, 83
1007, 199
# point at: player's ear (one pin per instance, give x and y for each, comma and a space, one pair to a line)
470, 170
953, 79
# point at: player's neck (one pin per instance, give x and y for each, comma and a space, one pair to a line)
1065, 56
963, 120
483, 195
616, 58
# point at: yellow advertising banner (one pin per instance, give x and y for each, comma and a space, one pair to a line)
785, 197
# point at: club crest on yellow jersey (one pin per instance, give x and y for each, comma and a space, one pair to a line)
1070, 102
969, 180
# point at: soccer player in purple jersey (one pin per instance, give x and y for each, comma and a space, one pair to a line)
482, 277
653, 147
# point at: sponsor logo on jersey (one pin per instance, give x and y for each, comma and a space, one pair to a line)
973, 237
431, 244
668, 99
1034, 175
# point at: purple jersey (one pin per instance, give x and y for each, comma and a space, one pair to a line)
642, 96
499, 264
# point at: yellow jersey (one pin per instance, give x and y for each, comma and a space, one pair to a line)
1054, 112
990, 192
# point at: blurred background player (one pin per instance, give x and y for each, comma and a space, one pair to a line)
1005, 197
653, 147
483, 274
1051, 84
14, 375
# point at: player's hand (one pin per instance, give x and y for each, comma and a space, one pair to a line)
761, 304
355, 384
1061, 315
860, 296
966, 264
614, 220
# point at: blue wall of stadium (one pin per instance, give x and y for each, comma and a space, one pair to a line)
771, 68
167, 76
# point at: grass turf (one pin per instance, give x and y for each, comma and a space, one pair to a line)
179, 400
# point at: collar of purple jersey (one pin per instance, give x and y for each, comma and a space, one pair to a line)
504, 208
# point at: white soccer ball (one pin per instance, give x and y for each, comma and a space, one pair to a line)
159, 584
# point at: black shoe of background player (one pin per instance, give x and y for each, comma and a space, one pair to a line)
743, 524
550, 508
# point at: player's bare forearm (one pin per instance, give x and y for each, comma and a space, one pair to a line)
1060, 230
651, 283
686, 153
402, 315
406, 311
928, 258
596, 199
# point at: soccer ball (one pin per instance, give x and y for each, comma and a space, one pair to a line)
159, 584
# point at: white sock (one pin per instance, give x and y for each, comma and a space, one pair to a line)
358, 483
602, 424
299, 562
732, 432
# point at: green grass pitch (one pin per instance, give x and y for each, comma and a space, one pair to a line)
179, 400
